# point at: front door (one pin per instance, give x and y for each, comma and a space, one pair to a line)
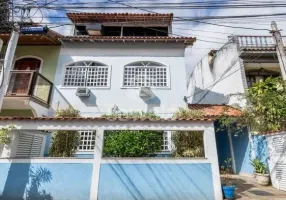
20, 81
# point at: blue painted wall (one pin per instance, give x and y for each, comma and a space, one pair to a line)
156, 182
242, 152
222, 144
57, 181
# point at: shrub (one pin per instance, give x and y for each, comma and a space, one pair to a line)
65, 142
132, 143
188, 144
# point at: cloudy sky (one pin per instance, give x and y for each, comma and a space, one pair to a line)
208, 36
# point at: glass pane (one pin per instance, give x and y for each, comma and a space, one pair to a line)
42, 89
19, 83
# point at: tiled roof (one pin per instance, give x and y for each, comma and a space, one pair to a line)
103, 119
51, 38
213, 110
183, 40
121, 18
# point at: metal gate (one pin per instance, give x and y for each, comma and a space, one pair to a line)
277, 160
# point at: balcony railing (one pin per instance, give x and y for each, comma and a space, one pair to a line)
31, 84
257, 41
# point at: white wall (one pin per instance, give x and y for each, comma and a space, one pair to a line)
117, 55
212, 84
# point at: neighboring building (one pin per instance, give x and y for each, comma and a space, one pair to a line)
242, 61
124, 62
31, 78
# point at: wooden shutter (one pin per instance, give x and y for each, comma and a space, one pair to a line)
30, 145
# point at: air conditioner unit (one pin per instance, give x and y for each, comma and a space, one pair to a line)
82, 92
145, 92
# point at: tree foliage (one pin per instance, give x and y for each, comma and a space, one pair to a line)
266, 105
188, 144
265, 108
135, 114
4, 138
187, 113
65, 142
128, 143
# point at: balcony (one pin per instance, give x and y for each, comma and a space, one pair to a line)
26, 86
257, 42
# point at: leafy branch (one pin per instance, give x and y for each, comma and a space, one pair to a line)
4, 138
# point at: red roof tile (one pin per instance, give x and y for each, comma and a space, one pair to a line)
142, 18
104, 119
183, 40
213, 110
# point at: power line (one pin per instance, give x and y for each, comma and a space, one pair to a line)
187, 19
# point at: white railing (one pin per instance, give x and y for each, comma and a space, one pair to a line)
257, 41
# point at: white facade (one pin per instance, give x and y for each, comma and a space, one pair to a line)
215, 78
164, 101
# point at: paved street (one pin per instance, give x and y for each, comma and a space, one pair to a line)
248, 189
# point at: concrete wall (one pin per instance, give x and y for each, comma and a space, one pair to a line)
213, 82
165, 102
49, 54
19, 178
155, 181
245, 147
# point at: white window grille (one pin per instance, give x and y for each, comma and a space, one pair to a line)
144, 73
86, 74
167, 146
87, 140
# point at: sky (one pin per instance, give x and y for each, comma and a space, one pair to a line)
208, 36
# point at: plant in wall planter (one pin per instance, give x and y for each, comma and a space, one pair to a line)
228, 188
261, 174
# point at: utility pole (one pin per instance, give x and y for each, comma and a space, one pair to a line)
279, 48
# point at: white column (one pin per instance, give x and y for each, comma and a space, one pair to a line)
211, 155
8, 62
98, 149
231, 151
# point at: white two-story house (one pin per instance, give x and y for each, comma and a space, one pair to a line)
114, 63
124, 62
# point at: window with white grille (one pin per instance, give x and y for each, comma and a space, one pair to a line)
167, 143
30, 145
87, 140
145, 73
86, 74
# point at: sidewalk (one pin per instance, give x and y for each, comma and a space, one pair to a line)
248, 189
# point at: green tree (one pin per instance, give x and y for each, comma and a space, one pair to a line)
128, 143
65, 142
265, 108
188, 144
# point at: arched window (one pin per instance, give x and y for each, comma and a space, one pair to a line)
145, 73
86, 74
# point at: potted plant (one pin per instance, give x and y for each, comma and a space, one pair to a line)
260, 169
228, 188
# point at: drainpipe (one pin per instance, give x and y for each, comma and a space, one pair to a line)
1, 44
231, 150
8, 62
